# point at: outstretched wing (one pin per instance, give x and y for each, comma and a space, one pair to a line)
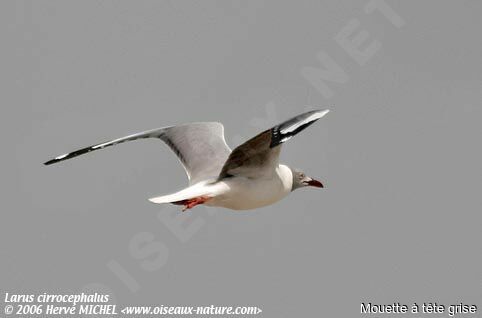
258, 157
200, 147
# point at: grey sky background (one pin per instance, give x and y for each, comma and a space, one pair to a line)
399, 219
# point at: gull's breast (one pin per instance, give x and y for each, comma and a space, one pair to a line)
245, 193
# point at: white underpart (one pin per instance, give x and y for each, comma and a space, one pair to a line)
238, 193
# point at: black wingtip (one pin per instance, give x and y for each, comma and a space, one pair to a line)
61, 158
287, 129
47, 163
69, 155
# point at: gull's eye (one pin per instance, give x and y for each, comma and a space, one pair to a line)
302, 175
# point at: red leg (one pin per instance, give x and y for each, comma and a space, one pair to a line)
191, 203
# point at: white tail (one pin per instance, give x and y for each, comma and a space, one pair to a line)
197, 190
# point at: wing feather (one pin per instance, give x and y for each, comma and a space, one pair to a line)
200, 147
259, 156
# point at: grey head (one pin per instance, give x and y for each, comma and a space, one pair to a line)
300, 180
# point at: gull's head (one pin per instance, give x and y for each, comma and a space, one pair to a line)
300, 180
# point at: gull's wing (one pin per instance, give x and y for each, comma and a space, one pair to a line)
200, 147
258, 157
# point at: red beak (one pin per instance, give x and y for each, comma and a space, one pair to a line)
315, 183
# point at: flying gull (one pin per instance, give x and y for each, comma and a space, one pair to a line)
248, 177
